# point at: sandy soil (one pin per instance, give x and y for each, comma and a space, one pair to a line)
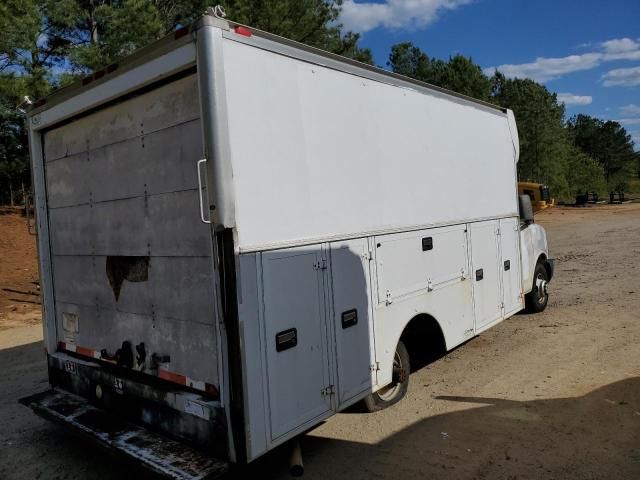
555, 395
19, 289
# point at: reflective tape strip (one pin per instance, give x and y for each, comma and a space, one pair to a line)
163, 373
69, 347
172, 377
87, 352
188, 382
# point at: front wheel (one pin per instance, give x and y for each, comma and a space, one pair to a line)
396, 390
536, 300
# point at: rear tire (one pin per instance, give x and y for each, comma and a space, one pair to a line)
397, 389
536, 300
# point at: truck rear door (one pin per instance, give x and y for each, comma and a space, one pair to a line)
131, 260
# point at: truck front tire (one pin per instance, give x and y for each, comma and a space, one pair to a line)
397, 389
536, 300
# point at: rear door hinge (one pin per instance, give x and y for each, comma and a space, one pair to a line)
375, 367
389, 298
368, 255
330, 390
320, 265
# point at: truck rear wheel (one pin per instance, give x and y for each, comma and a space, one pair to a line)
536, 300
396, 390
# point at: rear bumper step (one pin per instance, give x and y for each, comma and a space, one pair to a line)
155, 452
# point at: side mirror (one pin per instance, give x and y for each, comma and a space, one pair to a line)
526, 209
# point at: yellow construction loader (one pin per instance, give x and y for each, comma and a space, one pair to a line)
539, 194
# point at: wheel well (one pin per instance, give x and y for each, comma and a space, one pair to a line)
424, 340
542, 259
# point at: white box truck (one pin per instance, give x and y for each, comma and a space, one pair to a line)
240, 236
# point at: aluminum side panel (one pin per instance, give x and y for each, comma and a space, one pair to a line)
383, 164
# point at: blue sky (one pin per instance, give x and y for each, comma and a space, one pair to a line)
586, 50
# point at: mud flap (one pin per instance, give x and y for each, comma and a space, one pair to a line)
157, 453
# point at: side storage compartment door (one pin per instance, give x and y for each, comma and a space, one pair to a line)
352, 316
295, 337
487, 297
511, 265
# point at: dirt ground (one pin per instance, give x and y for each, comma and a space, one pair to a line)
19, 289
552, 396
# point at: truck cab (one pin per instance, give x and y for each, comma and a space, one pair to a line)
537, 267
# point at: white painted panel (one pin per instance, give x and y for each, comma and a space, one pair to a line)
485, 257
293, 295
403, 267
351, 296
451, 306
511, 275
319, 153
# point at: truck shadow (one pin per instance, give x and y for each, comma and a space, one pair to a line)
596, 435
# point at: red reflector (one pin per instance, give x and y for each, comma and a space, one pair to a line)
243, 31
181, 33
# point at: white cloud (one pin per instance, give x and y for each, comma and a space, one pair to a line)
619, 45
622, 77
630, 110
629, 121
544, 69
571, 99
364, 16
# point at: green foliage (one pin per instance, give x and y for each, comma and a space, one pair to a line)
459, 74
544, 144
583, 173
312, 22
609, 144
14, 153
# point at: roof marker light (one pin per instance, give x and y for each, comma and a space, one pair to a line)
243, 31
181, 32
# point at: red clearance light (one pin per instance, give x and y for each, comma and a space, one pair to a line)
243, 31
180, 33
